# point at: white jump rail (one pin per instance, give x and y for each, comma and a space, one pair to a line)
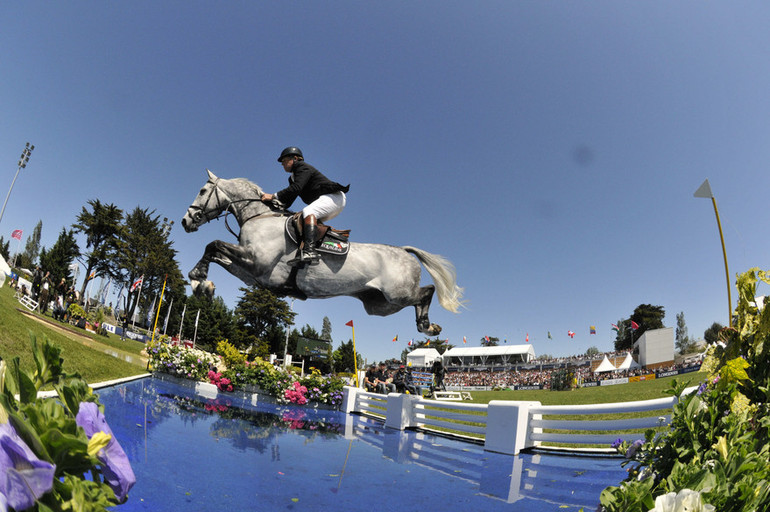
510, 426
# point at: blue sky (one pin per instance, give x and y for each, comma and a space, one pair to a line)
550, 150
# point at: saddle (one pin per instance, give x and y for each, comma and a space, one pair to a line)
328, 240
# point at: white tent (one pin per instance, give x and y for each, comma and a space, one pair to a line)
605, 366
628, 363
5, 270
422, 357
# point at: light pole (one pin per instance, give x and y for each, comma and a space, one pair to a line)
22, 164
705, 191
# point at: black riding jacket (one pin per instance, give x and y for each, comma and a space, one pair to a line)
308, 183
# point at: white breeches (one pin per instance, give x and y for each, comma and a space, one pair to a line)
326, 207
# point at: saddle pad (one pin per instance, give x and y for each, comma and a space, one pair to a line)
329, 244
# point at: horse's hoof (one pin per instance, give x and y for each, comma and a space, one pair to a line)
208, 288
195, 285
433, 330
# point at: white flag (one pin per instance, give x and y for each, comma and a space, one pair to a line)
168, 314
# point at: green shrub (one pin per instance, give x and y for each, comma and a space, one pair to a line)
230, 354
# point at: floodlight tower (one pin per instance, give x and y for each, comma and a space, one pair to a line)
22, 164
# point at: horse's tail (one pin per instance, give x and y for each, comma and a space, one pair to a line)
444, 277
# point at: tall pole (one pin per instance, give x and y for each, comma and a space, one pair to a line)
355, 358
705, 191
22, 164
286, 344
157, 311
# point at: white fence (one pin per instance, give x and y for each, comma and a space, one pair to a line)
511, 426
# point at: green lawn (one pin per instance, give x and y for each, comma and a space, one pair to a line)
92, 363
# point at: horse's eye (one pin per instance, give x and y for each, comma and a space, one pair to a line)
203, 191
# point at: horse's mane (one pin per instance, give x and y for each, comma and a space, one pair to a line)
250, 185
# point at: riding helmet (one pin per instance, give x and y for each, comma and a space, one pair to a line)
290, 151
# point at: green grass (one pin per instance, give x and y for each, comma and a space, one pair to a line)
90, 361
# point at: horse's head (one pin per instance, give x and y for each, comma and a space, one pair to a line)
208, 204
238, 196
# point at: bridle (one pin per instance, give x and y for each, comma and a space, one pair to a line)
208, 214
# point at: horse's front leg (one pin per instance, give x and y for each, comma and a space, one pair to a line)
232, 258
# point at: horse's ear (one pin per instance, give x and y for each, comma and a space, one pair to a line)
211, 175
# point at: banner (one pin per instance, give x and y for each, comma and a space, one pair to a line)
16, 234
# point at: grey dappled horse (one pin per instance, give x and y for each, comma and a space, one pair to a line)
385, 278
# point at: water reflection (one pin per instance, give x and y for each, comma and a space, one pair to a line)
532, 482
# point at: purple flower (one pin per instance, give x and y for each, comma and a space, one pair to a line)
702, 388
117, 468
617, 442
23, 476
634, 448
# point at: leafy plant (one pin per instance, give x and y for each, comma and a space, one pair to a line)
716, 454
230, 354
60, 454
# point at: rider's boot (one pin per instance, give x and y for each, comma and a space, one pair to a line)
308, 254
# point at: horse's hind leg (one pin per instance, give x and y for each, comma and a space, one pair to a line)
421, 312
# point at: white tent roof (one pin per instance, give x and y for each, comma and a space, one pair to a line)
605, 366
628, 363
490, 351
422, 356
424, 352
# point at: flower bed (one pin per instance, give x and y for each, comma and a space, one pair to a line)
284, 386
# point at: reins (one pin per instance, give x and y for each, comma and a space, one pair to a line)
206, 212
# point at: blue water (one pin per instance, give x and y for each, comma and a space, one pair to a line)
190, 453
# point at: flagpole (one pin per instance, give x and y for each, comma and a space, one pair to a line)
355, 359
184, 309
195, 334
157, 312
705, 192
18, 248
138, 296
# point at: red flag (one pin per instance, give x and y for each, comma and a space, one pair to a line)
16, 234
410, 343
527, 340
634, 325
486, 338
570, 334
464, 340
350, 324
395, 339
136, 283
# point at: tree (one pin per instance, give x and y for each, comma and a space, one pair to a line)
261, 319
103, 229
592, 351
58, 259
215, 322
440, 345
489, 341
343, 357
28, 258
683, 343
145, 251
326, 329
647, 317
5, 250
711, 335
